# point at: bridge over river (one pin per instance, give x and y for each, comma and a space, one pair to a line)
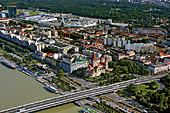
71, 97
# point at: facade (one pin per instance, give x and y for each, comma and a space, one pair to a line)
166, 42
12, 10
64, 47
118, 42
157, 68
39, 55
21, 40
141, 47
76, 64
4, 15
24, 14
108, 41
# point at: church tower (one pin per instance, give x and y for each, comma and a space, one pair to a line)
94, 61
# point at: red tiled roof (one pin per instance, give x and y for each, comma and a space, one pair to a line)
168, 63
116, 30
93, 70
22, 32
90, 65
132, 35
167, 57
156, 34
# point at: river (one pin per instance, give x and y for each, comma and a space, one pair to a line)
16, 89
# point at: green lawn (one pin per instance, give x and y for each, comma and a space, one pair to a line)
144, 88
3, 52
31, 12
31, 68
89, 79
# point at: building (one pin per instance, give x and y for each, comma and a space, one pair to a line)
118, 42
24, 13
41, 18
158, 68
4, 15
39, 55
166, 41
53, 59
97, 66
141, 47
108, 41
73, 64
12, 10
109, 21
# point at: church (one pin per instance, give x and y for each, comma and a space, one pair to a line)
97, 66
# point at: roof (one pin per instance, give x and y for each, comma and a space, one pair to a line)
93, 70
168, 63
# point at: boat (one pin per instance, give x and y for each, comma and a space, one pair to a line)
78, 104
8, 63
52, 89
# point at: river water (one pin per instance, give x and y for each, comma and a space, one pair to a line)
16, 89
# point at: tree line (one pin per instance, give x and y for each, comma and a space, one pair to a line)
136, 13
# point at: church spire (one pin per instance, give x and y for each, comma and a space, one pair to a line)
94, 56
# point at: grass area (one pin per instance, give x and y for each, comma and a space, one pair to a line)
124, 94
142, 77
3, 52
140, 89
31, 68
31, 12
89, 79
144, 88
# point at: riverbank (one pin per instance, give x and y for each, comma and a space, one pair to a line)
17, 89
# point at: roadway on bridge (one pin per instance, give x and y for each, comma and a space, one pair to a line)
39, 105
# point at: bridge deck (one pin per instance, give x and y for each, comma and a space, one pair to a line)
39, 105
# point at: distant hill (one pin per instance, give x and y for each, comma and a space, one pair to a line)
118, 11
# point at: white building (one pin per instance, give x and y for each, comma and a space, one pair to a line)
141, 47
108, 41
118, 42
22, 40
41, 18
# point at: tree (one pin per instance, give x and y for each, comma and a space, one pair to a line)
60, 74
3, 46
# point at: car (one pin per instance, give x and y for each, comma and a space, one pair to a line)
117, 107
87, 103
